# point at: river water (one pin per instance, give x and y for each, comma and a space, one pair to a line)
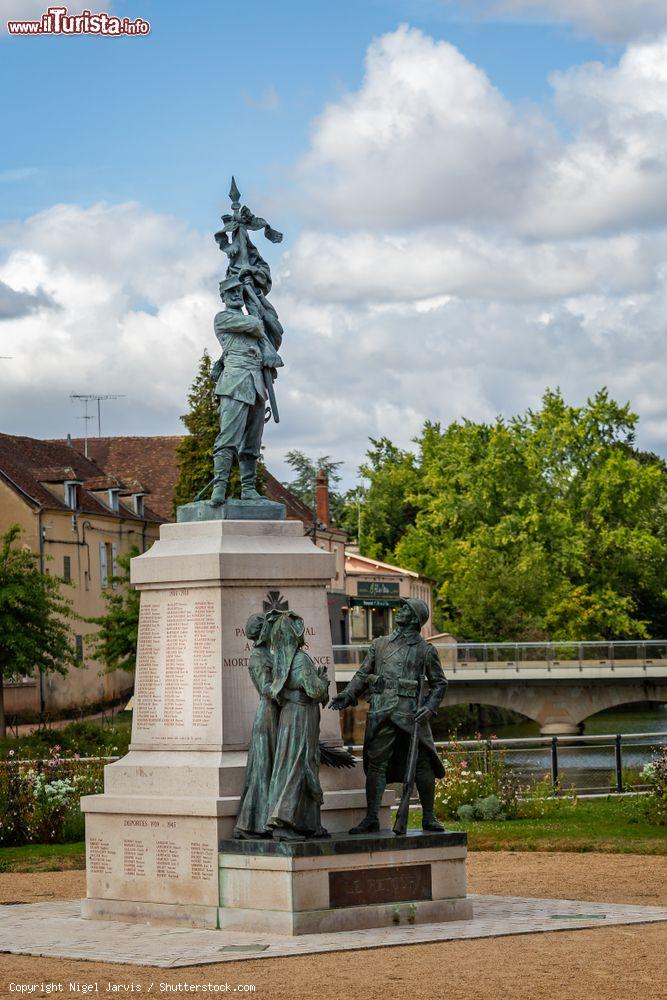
585, 766
627, 720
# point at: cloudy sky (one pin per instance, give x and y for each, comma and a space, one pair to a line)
473, 196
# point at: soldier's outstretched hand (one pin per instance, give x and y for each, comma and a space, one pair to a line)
340, 702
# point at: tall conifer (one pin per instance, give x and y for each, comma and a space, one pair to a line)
195, 452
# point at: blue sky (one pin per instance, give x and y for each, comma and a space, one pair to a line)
473, 195
165, 119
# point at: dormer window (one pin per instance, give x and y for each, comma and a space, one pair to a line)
71, 494
138, 503
112, 500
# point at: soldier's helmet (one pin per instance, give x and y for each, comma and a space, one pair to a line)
420, 609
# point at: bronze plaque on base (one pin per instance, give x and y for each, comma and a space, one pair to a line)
364, 886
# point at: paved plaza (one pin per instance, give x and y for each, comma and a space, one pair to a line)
56, 930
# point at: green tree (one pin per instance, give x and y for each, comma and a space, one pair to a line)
194, 454
115, 642
386, 502
303, 483
547, 525
34, 615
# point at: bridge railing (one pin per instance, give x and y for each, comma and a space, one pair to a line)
582, 765
489, 656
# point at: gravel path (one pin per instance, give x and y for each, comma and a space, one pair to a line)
614, 963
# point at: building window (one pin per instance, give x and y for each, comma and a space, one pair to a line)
78, 640
112, 501
138, 504
71, 494
67, 568
105, 564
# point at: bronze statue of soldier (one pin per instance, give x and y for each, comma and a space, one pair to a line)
250, 335
390, 676
240, 387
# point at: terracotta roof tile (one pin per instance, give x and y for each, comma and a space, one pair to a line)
152, 461
26, 464
148, 463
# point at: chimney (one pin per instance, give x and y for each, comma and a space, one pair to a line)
322, 498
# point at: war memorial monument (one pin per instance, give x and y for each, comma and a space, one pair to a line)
236, 806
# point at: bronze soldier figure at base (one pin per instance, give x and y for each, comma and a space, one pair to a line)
390, 674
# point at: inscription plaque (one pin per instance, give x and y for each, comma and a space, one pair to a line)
397, 884
177, 689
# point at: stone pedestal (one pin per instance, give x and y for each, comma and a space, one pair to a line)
347, 883
152, 838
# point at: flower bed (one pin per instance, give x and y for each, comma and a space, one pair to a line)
477, 785
39, 799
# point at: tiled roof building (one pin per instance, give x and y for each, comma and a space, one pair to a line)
79, 520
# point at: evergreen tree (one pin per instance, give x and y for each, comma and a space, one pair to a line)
303, 484
115, 643
194, 454
34, 614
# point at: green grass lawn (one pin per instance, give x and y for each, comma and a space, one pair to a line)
610, 825
606, 825
43, 857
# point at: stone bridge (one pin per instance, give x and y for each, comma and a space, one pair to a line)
559, 688
560, 707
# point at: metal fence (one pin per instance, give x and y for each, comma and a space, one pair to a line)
489, 655
585, 765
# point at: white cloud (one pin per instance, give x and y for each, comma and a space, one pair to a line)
427, 139
133, 295
610, 20
460, 257
423, 264
426, 135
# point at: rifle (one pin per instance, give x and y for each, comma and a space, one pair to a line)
401, 822
272, 409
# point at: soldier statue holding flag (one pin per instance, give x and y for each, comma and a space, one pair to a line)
250, 334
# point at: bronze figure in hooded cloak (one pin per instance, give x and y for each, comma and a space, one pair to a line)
252, 816
295, 794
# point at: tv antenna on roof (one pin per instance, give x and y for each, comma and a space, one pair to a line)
89, 397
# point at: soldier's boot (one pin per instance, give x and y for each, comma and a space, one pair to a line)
222, 464
426, 789
375, 786
248, 470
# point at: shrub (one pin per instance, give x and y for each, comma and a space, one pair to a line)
655, 775
489, 808
542, 799
84, 738
473, 778
39, 800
